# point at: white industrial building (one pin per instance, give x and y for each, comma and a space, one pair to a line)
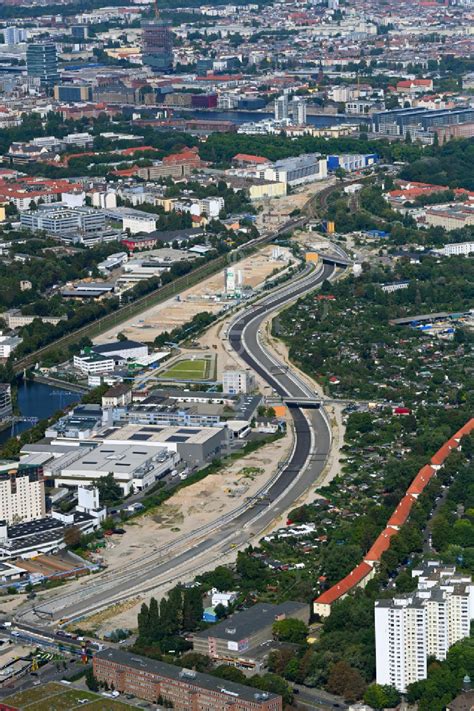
93, 363
113, 261
8, 345
456, 249
122, 349
136, 224
425, 623
196, 445
88, 502
132, 464
296, 171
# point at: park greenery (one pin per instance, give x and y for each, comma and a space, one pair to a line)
350, 337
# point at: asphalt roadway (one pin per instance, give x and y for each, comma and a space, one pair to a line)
305, 465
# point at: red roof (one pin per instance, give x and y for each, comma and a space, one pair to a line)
441, 455
380, 545
465, 429
407, 83
126, 172
401, 513
421, 480
343, 586
135, 149
398, 518
249, 158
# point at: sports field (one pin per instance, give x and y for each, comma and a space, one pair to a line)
59, 697
189, 369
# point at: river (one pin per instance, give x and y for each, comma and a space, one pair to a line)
41, 401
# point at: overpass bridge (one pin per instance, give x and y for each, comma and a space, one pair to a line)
308, 403
333, 258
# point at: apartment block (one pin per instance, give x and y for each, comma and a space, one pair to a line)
184, 688
456, 249
425, 623
6, 407
21, 492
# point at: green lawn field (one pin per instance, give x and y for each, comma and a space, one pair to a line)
58, 697
198, 369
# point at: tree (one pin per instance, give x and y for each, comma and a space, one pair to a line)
196, 661
144, 623
220, 611
290, 630
109, 491
346, 681
91, 680
230, 673
72, 536
192, 608
381, 696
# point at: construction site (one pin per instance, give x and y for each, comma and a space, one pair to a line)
210, 295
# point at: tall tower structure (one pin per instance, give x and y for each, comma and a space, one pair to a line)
298, 111
157, 44
281, 108
42, 63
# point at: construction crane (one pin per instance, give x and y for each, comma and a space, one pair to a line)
157, 12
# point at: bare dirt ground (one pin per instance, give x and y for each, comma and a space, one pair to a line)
183, 513
205, 296
276, 211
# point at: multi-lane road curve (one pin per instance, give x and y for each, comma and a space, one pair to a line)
211, 542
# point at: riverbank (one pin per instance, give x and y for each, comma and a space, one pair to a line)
37, 400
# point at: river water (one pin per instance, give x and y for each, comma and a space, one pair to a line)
41, 401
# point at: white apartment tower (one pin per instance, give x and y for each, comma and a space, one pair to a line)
298, 111
21, 492
425, 623
281, 108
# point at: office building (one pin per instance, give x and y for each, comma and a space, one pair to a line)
60, 219
425, 623
21, 492
42, 64
398, 121
352, 161
72, 93
139, 224
14, 35
91, 363
184, 688
298, 111
281, 108
6, 407
80, 32
236, 381
157, 46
